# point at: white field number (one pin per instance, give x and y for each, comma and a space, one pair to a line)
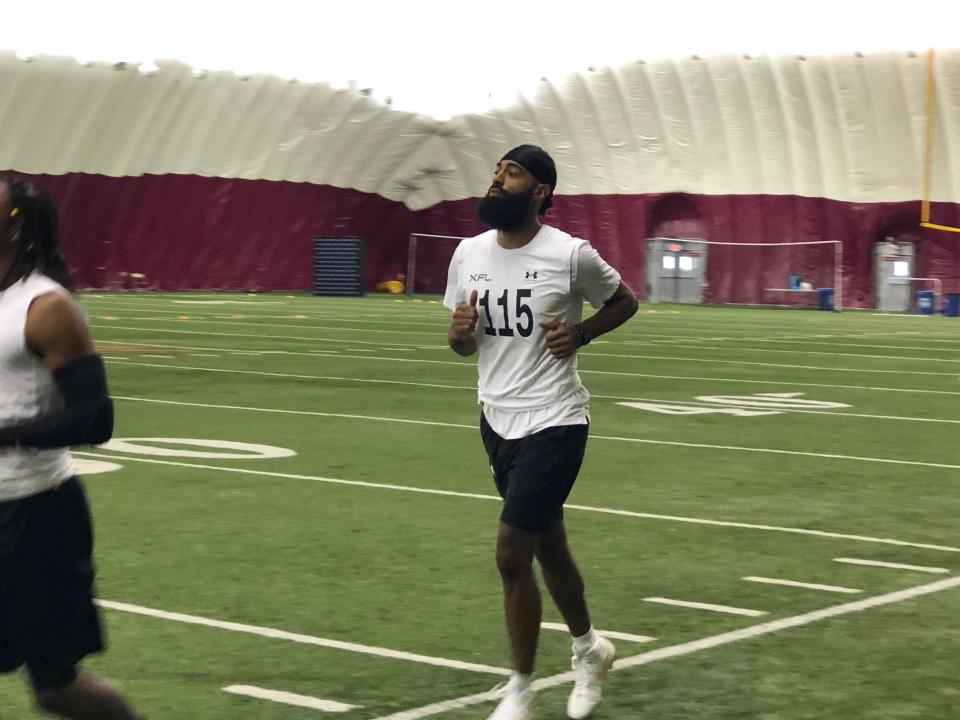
738, 405
222, 449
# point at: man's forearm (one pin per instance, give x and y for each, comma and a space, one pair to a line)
86, 417
611, 316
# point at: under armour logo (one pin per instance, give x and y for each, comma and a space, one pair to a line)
530, 275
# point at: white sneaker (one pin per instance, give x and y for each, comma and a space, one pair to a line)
591, 670
514, 704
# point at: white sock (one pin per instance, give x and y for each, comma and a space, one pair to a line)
519, 682
584, 644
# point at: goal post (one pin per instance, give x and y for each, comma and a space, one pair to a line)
428, 258
790, 273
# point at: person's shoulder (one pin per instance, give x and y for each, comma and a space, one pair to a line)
557, 235
56, 305
485, 236
477, 241
37, 283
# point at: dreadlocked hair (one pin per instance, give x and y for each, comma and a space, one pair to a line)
35, 229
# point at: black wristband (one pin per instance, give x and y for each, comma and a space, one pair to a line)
582, 337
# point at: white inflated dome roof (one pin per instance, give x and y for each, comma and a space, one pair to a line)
416, 101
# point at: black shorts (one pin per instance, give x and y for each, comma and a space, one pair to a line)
534, 474
47, 617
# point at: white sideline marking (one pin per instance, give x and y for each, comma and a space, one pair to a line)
569, 506
299, 638
692, 646
161, 357
646, 441
714, 360
612, 634
228, 302
794, 351
314, 338
895, 566
581, 370
201, 355
808, 586
112, 357
306, 377
707, 606
288, 698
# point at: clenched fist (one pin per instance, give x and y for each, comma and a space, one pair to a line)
465, 318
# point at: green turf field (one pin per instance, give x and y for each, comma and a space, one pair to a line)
352, 559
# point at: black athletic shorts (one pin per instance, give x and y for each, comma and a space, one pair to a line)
534, 474
47, 617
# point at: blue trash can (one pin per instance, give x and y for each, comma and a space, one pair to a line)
925, 302
951, 308
825, 296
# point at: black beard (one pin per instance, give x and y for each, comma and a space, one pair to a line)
506, 211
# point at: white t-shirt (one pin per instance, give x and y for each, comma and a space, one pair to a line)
27, 391
522, 387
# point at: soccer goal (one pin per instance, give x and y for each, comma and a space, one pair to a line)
691, 270
428, 258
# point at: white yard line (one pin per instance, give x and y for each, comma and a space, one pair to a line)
804, 585
337, 378
830, 368
496, 498
628, 398
400, 347
673, 443
787, 340
775, 451
706, 606
893, 566
767, 383
645, 441
611, 340
300, 638
693, 646
612, 634
261, 336
793, 351
640, 357
288, 698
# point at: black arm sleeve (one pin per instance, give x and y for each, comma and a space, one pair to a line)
85, 419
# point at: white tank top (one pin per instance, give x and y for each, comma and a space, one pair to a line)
27, 391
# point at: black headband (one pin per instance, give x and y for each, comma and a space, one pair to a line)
536, 161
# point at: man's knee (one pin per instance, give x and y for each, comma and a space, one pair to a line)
513, 565
551, 548
514, 554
